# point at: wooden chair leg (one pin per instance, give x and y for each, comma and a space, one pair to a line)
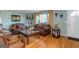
5, 41
27, 40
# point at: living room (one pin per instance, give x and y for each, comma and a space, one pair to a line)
39, 29
22, 18
37, 36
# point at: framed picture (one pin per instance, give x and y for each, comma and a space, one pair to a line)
26, 16
32, 16
15, 17
29, 16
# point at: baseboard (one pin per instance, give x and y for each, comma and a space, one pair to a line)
64, 35
73, 38
70, 38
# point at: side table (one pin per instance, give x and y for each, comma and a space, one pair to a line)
56, 33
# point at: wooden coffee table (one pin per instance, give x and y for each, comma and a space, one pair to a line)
27, 34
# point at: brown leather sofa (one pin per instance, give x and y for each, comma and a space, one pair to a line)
20, 26
44, 29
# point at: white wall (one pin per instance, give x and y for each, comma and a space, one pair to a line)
6, 18
73, 25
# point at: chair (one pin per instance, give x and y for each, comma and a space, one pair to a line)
44, 29
12, 41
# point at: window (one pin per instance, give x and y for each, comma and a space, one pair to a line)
42, 18
0, 24
0, 21
37, 19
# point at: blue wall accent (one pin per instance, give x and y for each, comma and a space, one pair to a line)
61, 21
6, 18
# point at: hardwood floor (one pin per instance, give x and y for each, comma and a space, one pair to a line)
48, 42
51, 42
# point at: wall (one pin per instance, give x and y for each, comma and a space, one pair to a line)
52, 20
6, 18
61, 21
68, 24
50, 17
73, 24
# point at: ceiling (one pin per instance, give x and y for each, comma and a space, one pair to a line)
28, 11
23, 11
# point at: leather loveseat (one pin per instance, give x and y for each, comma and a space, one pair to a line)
44, 29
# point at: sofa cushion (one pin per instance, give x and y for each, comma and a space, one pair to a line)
43, 28
20, 26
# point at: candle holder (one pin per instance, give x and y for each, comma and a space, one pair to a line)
56, 14
61, 16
